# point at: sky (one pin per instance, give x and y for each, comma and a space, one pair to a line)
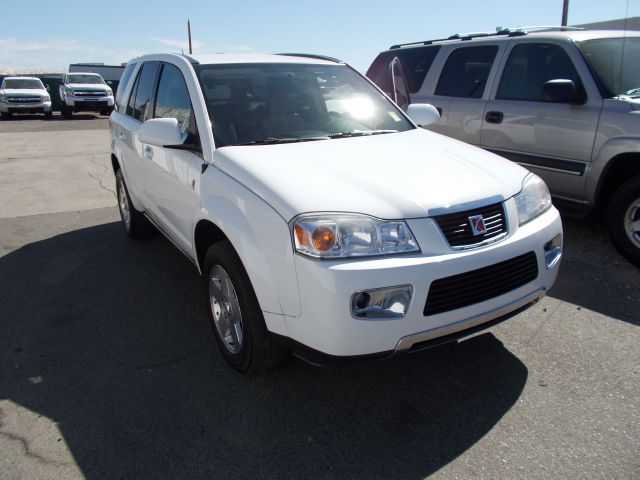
49, 35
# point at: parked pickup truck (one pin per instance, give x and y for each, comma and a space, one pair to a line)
564, 104
24, 95
322, 219
85, 92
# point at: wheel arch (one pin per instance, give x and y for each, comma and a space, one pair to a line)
618, 170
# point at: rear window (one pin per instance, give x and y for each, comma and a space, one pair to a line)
415, 61
466, 72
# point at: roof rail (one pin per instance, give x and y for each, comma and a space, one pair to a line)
500, 32
311, 55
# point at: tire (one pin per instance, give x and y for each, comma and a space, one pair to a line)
623, 220
105, 112
251, 348
66, 112
48, 114
135, 223
5, 115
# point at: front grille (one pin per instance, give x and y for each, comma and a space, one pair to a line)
456, 227
89, 93
24, 99
479, 285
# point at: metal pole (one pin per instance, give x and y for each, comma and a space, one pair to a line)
189, 29
565, 12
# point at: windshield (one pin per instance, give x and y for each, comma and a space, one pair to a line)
615, 62
93, 79
26, 83
273, 103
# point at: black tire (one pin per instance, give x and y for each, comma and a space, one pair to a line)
5, 115
137, 227
259, 351
48, 114
623, 207
66, 112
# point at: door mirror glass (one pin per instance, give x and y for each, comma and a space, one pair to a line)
161, 132
559, 91
423, 114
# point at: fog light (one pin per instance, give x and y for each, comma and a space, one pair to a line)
553, 251
389, 302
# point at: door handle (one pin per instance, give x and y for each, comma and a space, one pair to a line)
494, 117
148, 152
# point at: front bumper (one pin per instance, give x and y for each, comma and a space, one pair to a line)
28, 107
326, 287
91, 104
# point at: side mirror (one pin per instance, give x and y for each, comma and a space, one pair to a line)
560, 91
161, 132
423, 114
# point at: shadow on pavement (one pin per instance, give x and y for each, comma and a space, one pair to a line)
586, 278
132, 376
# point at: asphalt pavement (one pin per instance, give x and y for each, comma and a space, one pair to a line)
109, 368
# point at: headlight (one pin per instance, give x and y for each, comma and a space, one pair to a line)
3, 97
68, 91
533, 200
46, 98
109, 93
344, 235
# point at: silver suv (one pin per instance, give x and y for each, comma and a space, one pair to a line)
564, 104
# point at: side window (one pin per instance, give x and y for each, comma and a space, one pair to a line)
416, 62
530, 66
124, 79
172, 100
141, 108
466, 71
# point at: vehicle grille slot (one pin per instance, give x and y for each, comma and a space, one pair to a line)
456, 227
479, 285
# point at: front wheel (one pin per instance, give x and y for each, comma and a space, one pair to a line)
234, 312
48, 114
623, 220
66, 112
5, 115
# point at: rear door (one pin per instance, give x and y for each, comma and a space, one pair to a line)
138, 109
461, 91
553, 139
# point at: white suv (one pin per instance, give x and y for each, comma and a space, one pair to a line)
322, 220
564, 104
24, 95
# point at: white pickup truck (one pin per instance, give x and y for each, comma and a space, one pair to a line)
322, 219
85, 92
24, 95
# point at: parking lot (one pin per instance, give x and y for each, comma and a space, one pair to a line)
109, 368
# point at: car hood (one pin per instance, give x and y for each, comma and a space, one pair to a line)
18, 92
411, 174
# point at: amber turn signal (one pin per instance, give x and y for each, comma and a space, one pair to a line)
323, 238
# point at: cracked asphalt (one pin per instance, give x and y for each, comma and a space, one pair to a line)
108, 367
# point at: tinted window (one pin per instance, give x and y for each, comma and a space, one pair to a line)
172, 100
415, 62
530, 66
466, 71
123, 85
141, 108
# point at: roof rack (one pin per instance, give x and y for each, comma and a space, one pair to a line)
311, 55
500, 32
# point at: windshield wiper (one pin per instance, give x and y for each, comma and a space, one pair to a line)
360, 133
274, 140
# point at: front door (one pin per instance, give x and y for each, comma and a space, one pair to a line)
555, 140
